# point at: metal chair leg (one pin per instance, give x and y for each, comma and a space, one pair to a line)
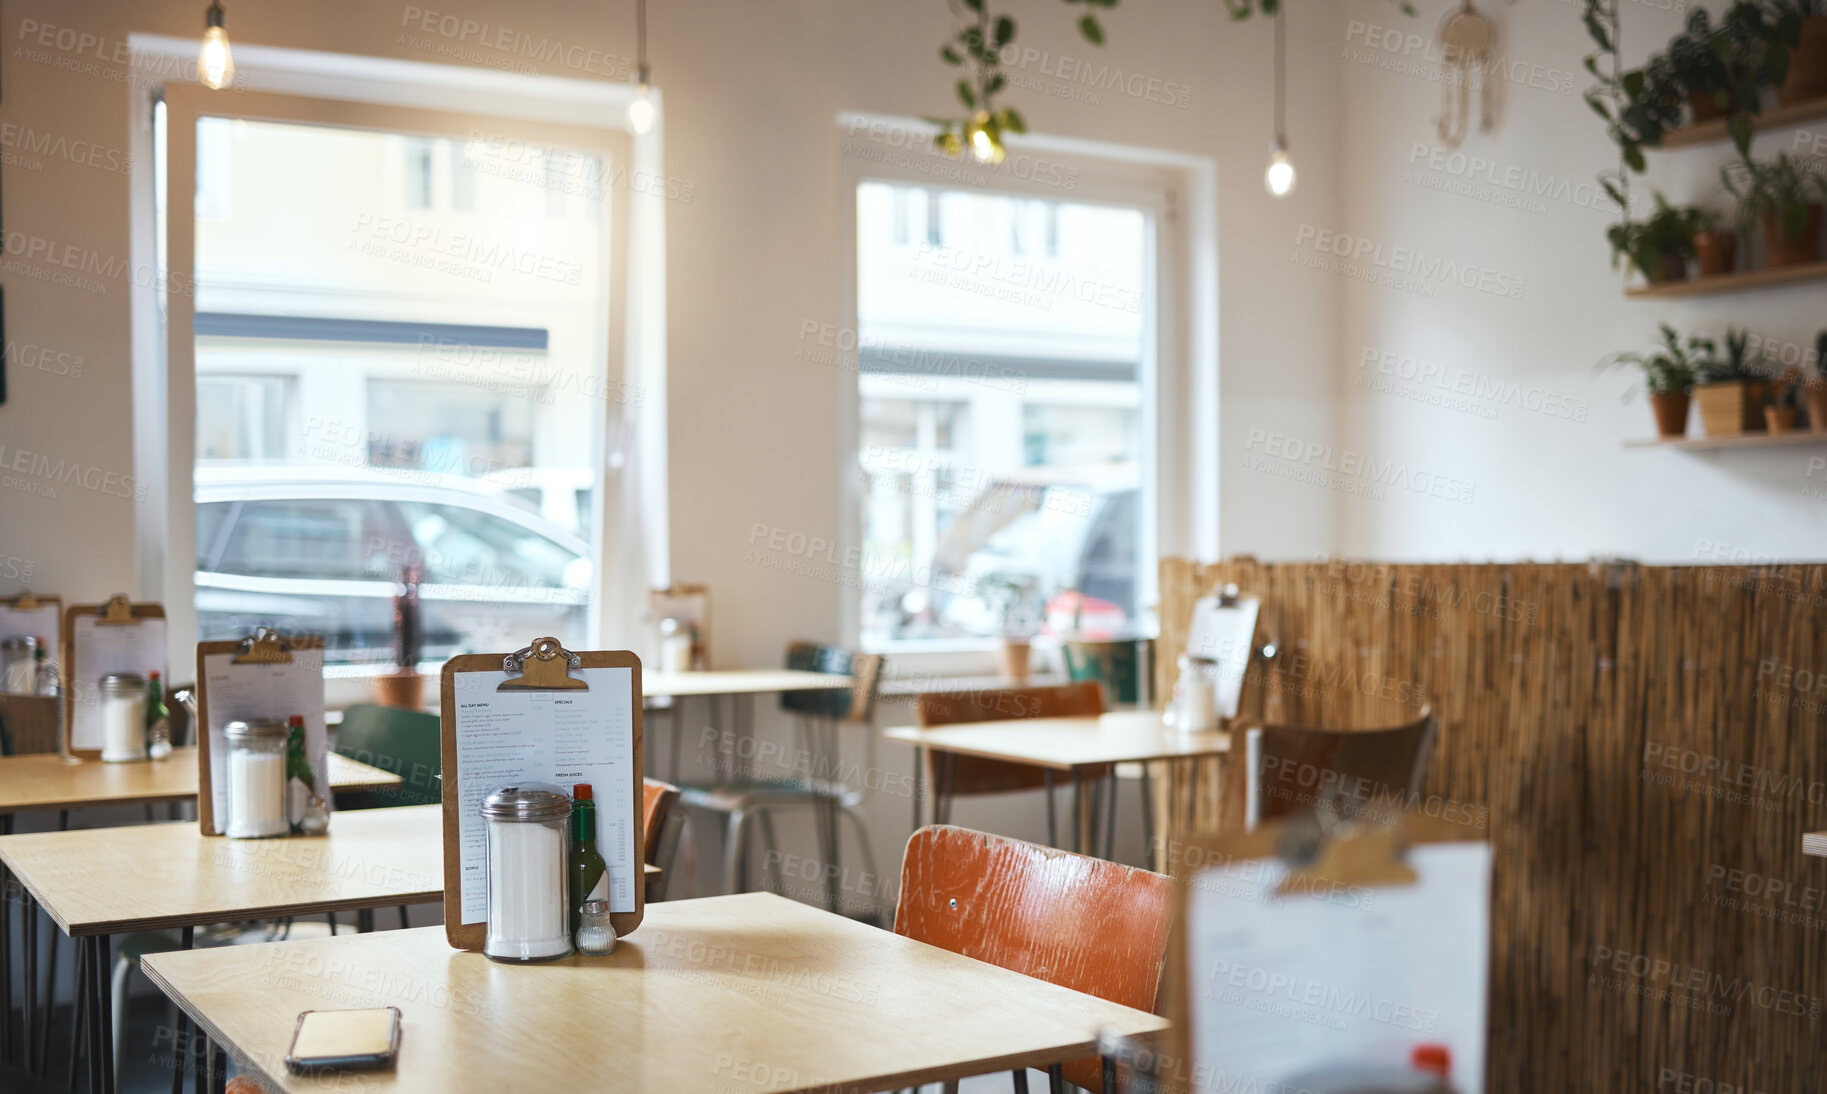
1110, 815
770, 853
1056, 1079
732, 850
1148, 817
1052, 820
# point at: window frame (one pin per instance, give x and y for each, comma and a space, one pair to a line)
1168, 374
402, 97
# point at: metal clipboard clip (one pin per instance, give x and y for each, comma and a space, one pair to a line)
263, 647
24, 602
538, 668
117, 612
1324, 851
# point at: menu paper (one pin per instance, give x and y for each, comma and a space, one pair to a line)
99, 649
238, 693
1224, 634
506, 738
1299, 991
39, 623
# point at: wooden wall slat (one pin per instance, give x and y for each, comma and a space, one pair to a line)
1560, 688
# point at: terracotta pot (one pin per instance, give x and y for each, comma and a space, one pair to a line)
1016, 653
1670, 409
1717, 252
401, 690
1782, 249
1780, 419
1705, 109
1731, 408
1807, 77
1673, 267
1814, 397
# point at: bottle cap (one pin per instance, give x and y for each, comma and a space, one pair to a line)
152, 676
1432, 1059
294, 720
582, 792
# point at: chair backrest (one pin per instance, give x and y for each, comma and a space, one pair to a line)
1119, 666
405, 742
973, 775
663, 824
1278, 770
853, 704
1084, 923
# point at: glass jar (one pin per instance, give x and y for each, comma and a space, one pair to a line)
256, 779
595, 933
17, 670
123, 714
528, 841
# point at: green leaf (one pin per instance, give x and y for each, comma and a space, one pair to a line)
974, 5
950, 55
1005, 31
1739, 126
997, 83
1633, 155
1093, 32
1012, 120
966, 95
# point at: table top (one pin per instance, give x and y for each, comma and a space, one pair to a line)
49, 781
739, 682
752, 993
1067, 743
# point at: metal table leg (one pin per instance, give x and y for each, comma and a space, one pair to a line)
79, 1014
1081, 811
919, 783
180, 1026
28, 930
6, 950
103, 1012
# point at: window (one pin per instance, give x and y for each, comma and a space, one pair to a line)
449, 428
458, 546
418, 172
243, 417
339, 539
1001, 353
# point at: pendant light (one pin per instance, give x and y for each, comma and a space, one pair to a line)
640, 111
1279, 178
215, 65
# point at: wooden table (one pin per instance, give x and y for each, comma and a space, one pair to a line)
29, 783
1069, 745
739, 685
749, 993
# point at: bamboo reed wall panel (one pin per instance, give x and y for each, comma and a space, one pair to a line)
1630, 736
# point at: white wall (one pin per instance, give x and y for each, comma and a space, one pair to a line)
1545, 485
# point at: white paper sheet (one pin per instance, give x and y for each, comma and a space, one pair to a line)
40, 623
1283, 989
96, 651
558, 737
237, 693
1224, 635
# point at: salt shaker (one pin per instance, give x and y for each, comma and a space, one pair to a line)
528, 881
595, 933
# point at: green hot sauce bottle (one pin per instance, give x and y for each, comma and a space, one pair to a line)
589, 874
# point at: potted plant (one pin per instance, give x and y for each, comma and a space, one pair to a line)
1715, 244
1730, 394
1804, 24
1724, 69
1783, 198
1016, 601
1780, 402
1658, 246
404, 688
1814, 393
1668, 375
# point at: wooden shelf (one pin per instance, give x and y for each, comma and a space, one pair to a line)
1743, 281
1765, 121
1744, 440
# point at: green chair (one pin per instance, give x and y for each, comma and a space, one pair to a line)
405, 742
1116, 665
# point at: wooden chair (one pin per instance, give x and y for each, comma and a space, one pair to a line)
973, 775
1083, 923
753, 797
1278, 770
662, 823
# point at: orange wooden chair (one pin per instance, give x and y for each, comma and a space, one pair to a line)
1083, 923
1278, 770
662, 823
972, 775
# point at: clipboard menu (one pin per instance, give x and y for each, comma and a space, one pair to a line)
562, 719
1316, 979
28, 616
100, 639
1223, 631
261, 676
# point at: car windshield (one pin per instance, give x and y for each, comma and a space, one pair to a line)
461, 546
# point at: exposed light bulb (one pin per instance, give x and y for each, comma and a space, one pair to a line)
985, 147
1279, 178
640, 111
215, 64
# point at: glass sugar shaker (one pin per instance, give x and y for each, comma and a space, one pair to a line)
528, 880
256, 779
123, 717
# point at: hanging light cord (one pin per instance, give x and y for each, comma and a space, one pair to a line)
640, 38
1281, 138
